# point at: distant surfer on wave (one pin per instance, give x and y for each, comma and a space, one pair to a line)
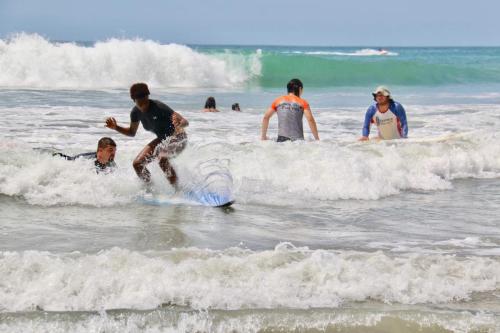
388, 115
165, 123
290, 109
383, 52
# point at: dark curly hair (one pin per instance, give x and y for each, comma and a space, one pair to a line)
139, 90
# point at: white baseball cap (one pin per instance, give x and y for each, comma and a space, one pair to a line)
381, 90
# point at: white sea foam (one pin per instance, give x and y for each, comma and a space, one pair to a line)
358, 53
236, 279
264, 171
329, 171
42, 179
29, 60
165, 320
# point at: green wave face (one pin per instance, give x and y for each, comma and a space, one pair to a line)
323, 72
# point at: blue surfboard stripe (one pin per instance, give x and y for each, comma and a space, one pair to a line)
208, 198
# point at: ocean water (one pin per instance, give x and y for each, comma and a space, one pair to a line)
329, 236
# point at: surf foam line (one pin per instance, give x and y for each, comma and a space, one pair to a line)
266, 171
173, 319
31, 61
285, 277
368, 171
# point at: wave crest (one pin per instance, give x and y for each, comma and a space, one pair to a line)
206, 279
29, 60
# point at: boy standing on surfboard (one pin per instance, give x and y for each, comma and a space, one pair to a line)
290, 109
160, 119
390, 117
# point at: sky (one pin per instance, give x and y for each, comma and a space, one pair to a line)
260, 22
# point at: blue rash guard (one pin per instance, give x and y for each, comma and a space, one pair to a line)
396, 110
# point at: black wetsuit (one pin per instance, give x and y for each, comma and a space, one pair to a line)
98, 165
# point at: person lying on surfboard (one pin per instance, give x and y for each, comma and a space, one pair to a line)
104, 157
165, 123
290, 109
388, 115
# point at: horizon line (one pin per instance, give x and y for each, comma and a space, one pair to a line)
282, 45
11, 35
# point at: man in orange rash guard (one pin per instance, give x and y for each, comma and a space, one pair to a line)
290, 109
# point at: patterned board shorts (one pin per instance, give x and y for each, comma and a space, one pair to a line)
170, 146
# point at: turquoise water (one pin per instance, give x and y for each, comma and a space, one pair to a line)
362, 66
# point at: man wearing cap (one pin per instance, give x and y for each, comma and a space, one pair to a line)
390, 117
160, 119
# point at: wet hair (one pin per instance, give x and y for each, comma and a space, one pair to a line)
105, 142
235, 107
294, 87
210, 103
139, 90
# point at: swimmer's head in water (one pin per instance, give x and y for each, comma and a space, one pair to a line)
106, 150
295, 86
235, 107
210, 103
